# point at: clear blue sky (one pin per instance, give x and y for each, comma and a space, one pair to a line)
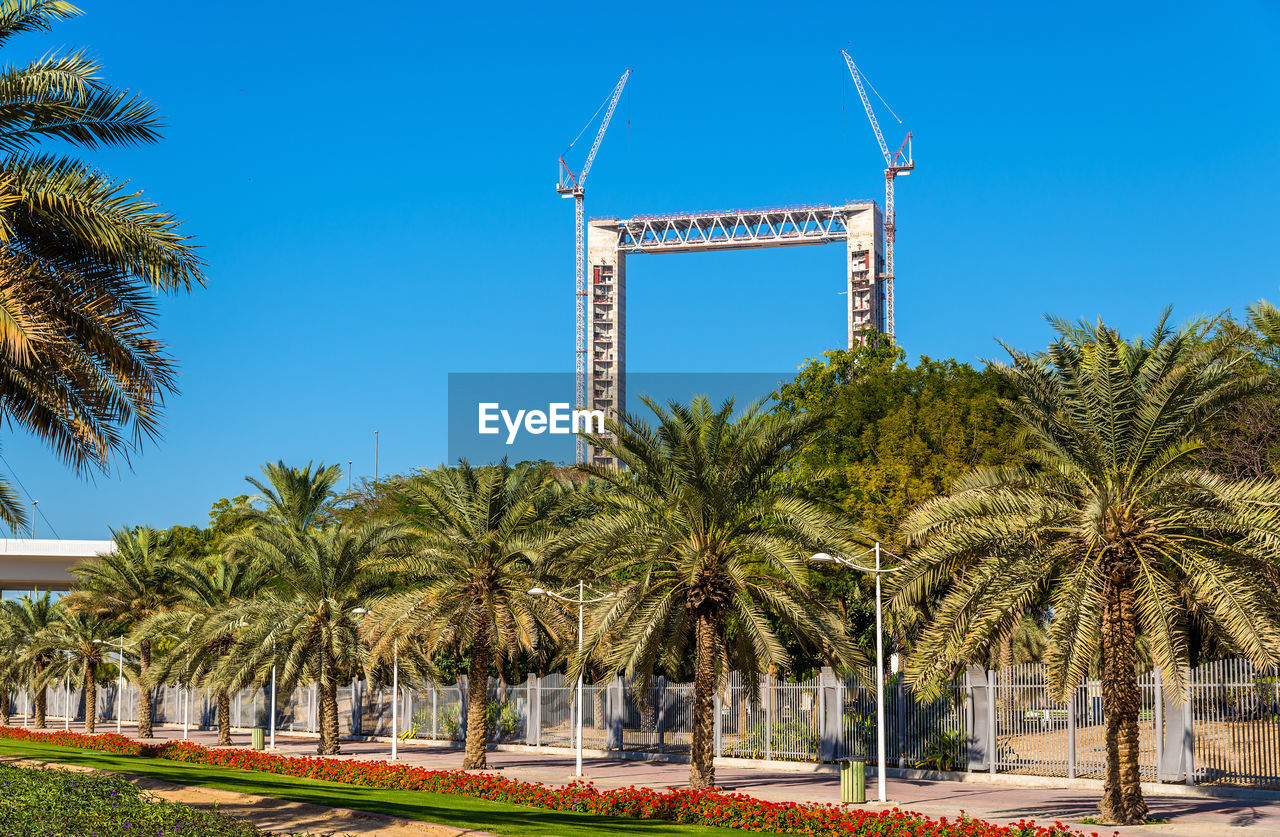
372, 186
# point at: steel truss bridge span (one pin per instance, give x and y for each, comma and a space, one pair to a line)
734, 229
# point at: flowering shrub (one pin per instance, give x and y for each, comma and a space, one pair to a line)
699, 807
110, 743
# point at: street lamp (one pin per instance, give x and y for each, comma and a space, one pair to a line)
119, 682
881, 744
579, 601
395, 690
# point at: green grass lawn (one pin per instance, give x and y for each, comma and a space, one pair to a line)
443, 809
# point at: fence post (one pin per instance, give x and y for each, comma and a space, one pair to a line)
828, 715
1071, 733
435, 694
615, 710
462, 706
717, 702
1189, 730
662, 711
993, 688
1157, 679
768, 716
902, 719
532, 702
978, 718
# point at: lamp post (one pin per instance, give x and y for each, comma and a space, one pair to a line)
395, 690
579, 601
119, 682
881, 743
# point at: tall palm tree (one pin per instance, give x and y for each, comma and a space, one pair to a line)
203, 638
304, 622
10, 668
30, 617
483, 547
1112, 521
708, 546
79, 643
81, 257
128, 585
299, 499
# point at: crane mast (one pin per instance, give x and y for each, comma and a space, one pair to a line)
896, 163
570, 185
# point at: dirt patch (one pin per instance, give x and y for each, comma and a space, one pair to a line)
278, 815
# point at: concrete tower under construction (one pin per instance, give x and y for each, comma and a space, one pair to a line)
609, 241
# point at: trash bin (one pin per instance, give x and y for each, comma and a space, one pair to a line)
853, 780
259, 739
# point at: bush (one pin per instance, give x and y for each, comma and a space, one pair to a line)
940, 750
42, 801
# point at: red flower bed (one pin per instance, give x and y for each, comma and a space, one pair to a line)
109, 743
704, 807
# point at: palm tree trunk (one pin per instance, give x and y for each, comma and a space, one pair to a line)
146, 698
41, 703
224, 718
478, 696
90, 699
329, 743
6, 706
702, 768
1122, 802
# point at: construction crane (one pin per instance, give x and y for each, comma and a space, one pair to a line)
570, 185
896, 163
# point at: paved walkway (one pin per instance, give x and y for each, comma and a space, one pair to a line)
1188, 816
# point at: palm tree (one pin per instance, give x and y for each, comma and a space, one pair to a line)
203, 638
305, 622
77, 642
10, 669
708, 546
482, 548
81, 258
29, 619
1112, 522
129, 585
299, 499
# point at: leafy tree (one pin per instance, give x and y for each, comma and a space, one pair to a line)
893, 435
1112, 518
707, 544
128, 585
79, 645
194, 635
82, 256
484, 546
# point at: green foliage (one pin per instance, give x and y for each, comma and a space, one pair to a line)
82, 256
893, 435
1112, 428
502, 717
941, 749
40, 801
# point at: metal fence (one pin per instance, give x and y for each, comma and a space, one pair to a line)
1224, 730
